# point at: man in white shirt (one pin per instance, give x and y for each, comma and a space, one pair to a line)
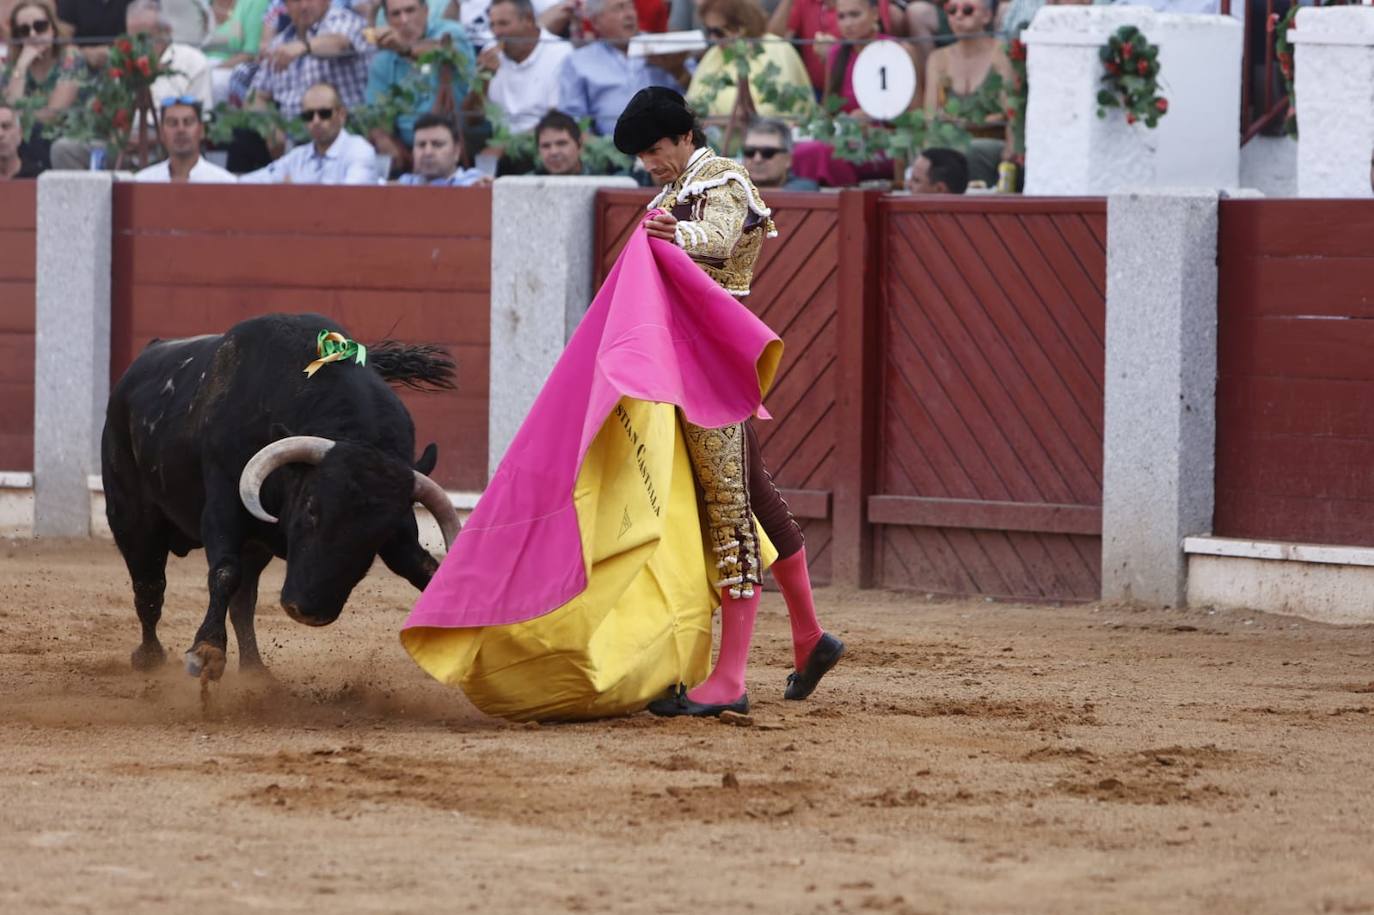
333, 155
181, 132
527, 61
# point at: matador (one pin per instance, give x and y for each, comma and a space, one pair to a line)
710, 209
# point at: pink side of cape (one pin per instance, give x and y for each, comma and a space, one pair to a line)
658, 330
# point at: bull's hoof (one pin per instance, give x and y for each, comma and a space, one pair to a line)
205, 661
148, 657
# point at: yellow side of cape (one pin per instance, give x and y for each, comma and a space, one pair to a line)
642, 624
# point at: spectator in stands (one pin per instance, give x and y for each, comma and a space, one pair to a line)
37, 68
726, 21
333, 155
321, 44
187, 75
12, 161
938, 171
437, 153
767, 157
859, 22
94, 23
560, 145
234, 42
818, 21
410, 33
526, 61
181, 132
600, 78
961, 71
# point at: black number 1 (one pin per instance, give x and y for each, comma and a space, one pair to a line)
882, 78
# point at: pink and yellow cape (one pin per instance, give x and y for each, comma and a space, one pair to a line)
580, 586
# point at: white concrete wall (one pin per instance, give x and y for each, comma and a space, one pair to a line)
1334, 88
1270, 165
1328, 593
1070, 151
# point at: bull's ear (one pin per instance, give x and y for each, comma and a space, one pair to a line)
428, 459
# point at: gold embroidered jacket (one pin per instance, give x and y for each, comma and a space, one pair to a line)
722, 220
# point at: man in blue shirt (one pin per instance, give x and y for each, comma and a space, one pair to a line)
438, 147
410, 33
600, 78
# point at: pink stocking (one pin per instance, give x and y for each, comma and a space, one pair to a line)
726, 682
795, 582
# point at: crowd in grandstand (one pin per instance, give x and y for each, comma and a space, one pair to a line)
479, 88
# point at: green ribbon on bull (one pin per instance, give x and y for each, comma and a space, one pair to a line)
333, 346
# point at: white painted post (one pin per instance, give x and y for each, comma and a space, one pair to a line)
72, 347
1334, 96
1160, 397
542, 265
1070, 151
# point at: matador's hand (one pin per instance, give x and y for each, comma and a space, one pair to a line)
662, 225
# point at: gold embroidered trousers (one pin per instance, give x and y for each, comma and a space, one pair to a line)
720, 458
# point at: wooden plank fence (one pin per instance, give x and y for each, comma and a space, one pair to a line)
404, 263
18, 206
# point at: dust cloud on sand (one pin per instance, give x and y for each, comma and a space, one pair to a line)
965, 757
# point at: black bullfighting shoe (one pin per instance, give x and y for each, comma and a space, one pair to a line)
826, 654
676, 704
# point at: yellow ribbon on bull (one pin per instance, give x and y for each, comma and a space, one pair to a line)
332, 346
642, 624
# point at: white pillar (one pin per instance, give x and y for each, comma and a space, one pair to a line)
71, 347
1071, 151
542, 264
1334, 89
1160, 398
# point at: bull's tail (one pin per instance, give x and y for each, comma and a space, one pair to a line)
422, 366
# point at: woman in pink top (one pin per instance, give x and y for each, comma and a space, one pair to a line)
858, 21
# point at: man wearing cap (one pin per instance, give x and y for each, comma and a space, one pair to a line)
710, 209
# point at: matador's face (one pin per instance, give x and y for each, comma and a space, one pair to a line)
667, 159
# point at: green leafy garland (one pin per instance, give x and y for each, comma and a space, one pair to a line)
855, 138
1283, 52
1018, 98
112, 98
1132, 78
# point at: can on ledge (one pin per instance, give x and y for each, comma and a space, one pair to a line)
1006, 178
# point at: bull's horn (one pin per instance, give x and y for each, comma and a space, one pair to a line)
294, 449
429, 494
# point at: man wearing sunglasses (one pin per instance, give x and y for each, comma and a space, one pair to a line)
333, 155
181, 132
767, 157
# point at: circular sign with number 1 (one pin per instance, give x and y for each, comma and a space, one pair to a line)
884, 80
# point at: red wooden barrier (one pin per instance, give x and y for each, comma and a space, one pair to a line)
989, 443
1295, 385
18, 203
413, 264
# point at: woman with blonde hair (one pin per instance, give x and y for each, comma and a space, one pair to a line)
37, 67
727, 21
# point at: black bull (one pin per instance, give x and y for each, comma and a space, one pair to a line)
223, 442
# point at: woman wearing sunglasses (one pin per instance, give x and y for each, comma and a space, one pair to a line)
37, 67
728, 21
960, 72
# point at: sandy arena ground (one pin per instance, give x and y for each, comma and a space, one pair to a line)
966, 757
